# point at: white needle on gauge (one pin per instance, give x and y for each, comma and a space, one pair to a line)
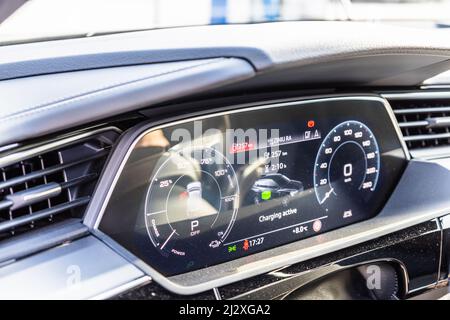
327, 195
167, 240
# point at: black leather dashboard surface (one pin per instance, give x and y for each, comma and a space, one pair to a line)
44, 104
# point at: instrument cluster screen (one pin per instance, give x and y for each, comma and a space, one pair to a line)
204, 191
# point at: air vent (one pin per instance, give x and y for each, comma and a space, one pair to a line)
51, 182
424, 123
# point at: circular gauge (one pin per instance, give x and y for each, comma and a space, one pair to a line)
346, 169
191, 202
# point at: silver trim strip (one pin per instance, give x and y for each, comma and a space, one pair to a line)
441, 251
417, 95
435, 86
420, 110
57, 143
207, 279
217, 294
421, 137
9, 147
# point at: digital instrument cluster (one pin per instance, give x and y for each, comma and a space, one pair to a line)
204, 191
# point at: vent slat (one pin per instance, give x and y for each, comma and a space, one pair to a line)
6, 204
29, 196
421, 110
78, 181
23, 220
51, 184
427, 137
413, 124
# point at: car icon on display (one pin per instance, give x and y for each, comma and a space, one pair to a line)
273, 186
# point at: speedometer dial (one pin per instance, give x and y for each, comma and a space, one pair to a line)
191, 202
346, 169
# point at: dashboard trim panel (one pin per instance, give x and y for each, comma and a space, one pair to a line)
416, 95
228, 272
47, 275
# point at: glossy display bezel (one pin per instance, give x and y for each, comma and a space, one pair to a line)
224, 273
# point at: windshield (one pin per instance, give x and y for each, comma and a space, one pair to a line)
34, 20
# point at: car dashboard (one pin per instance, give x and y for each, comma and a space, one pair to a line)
134, 167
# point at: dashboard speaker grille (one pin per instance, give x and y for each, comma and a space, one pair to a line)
50, 182
424, 123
